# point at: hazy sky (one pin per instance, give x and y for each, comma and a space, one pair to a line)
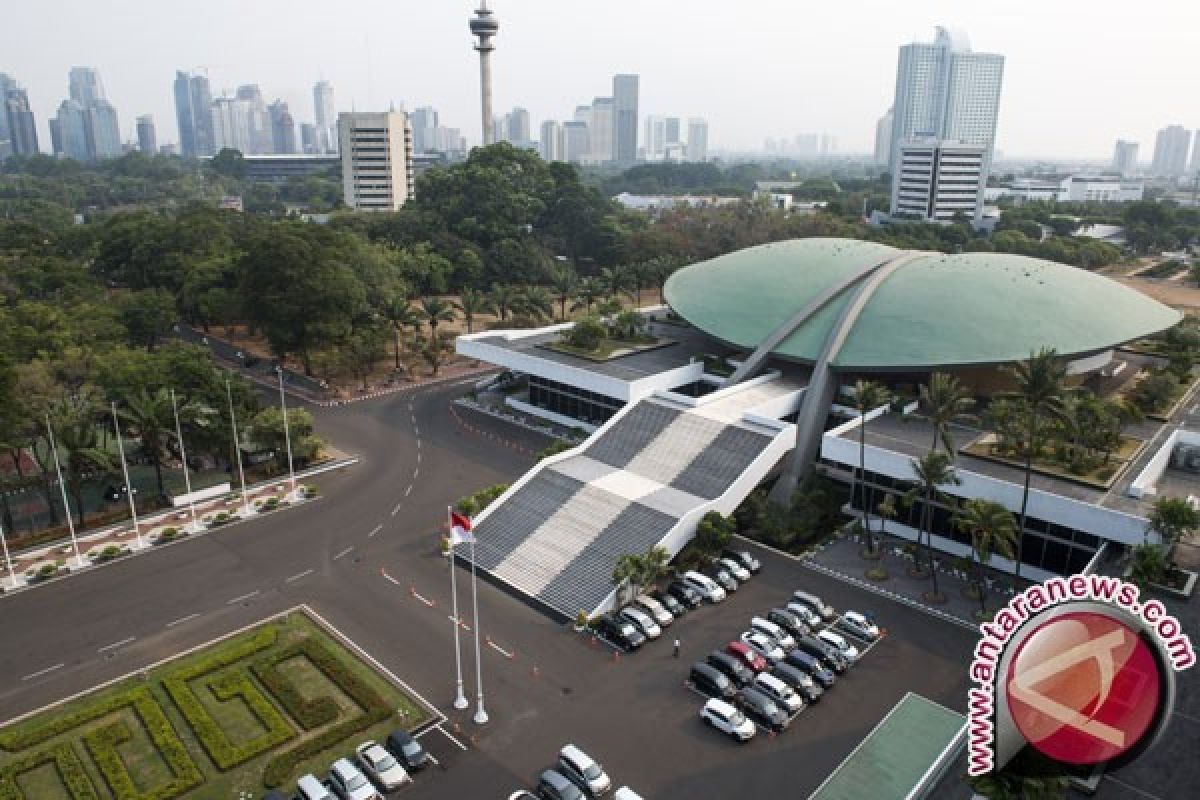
1078, 74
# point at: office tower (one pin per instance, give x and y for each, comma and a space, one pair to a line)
450, 140
1194, 169
87, 126
938, 180
69, 132
193, 113
147, 137
257, 121
655, 137
325, 116
697, 141
625, 121
1171, 147
828, 144
283, 128
516, 125
424, 124
1125, 156
308, 138
7, 84
485, 25
944, 90
550, 142
883, 137
672, 131
601, 129
85, 86
18, 129
577, 144
377, 160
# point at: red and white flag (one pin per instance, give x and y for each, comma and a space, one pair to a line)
460, 529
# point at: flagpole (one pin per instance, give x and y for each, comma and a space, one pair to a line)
63, 486
237, 449
287, 434
187, 480
460, 699
480, 715
137, 532
12, 573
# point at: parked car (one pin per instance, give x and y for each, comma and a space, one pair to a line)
644, 622
765, 646
761, 708
724, 578
779, 691
620, 632
825, 612
655, 609
735, 670
727, 719
764, 626
381, 766
275, 794
553, 785
671, 603
711, 681
309, 788
859, 625
704, 585
823, 652
583, 771
806, 615
685, 594
408, 750
743, 653
349, 783
798, 679
838, 642
735, 568
745, 559
789, 621
625, 793
812, 666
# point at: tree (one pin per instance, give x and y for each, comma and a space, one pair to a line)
655, 565
266, 430
886, 510
563, 282
628, 573
78, 439
713, 533
147, 315
590, 290
149, 417
435, 310
1172, 518
945, 401
400, 313
471, 303
933, 471
503, 298
362, 349
436, 350
1149, 564
1040, 387
229, 162
536, 303
616, 281
868, 396
992, 530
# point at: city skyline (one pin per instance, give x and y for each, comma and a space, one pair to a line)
736, 91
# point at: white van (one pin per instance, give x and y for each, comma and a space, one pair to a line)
768, 628
818, 605
779, 691
705, 585
838, 642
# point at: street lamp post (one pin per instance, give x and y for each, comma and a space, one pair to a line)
187, 479
12, 572
137, 532
287, 434
481, 716
237, 449
63, 486
460, 699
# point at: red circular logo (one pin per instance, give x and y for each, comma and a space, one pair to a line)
1083, 688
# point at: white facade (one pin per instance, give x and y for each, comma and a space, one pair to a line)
936, 180
1073, 189
1171, 147
326, 117
883, 137
577, 143
377, 160
1125, 156
655, 138
601, 129
550, 144
697, 139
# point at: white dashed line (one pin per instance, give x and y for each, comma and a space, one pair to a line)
416, 473
396, 510
48, 670
408, 491
182, 620
344, 553
374, 531
240, 598
115, 645
448, 736
299, 575
418, 455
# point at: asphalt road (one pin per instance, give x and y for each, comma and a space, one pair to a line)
357, 556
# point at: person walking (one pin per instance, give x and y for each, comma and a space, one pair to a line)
676, 653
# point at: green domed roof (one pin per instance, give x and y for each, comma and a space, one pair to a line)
933, 310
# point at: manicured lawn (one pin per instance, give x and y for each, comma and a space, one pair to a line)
1102, 477
160, 736
609, 349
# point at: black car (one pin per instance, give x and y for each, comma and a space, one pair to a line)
670, 603
620, 632
789, 622
684, 594
807, 663
553, 785
804, 684
722, 576
744, 558
407, 750
712, 681
762, 709
735, 670
823, 653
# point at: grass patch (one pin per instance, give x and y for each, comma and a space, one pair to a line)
1102, 477
609, 349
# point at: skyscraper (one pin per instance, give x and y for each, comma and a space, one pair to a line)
325, 116
147, 137
936, 180
308, 138
945, 90
1125, 156
1171, 147
697, 141
672, 130
22, 128
516, 125
6, 144
601, 129
656, 138
85, 86
577, 144
69, 132
86, 127
550, 143
424, 124
484, 25
625, 120
193, 113
883, 137
258, 120
377, 160
283, 128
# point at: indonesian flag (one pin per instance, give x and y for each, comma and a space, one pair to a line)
460, 529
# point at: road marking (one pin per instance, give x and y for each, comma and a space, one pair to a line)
499, 649
464, 625
408, 491
47, 670
374, 531
115, 645
240, 598
396, 510
416, 473
448, 736
383, 572
299, 575
182, 620
344, 553
418, 455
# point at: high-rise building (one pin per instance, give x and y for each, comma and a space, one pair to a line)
655, 138
85, 86
672, 130
257, 119
308, 138
193, 113
147, 136
1125, 156
577, 143
18, 129
1171, 147
601, 129
516, 127
625, 119
377, 160
69, 132
424, 124
697, 139
86, 128
7, 84
883, 137
944, 90
550, 144
484, 26
1194, 168
937, 180
326, 117
283, 128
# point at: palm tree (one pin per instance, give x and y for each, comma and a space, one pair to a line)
149, 418
662, 268
639, 276
564, 280
932, 471
1040, 387
472, 303
435, 310
868, 395
78, 440
616, 281
992, 530
886, 510
401, 315
628, 572
536, 302
504, 298
436, 350
946, 401
590, 290
654, 565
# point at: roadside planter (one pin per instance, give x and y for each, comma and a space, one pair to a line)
100, 554
43, 571
168, 535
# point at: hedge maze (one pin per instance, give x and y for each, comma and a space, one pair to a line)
251, 712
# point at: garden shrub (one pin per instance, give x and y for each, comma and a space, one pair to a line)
103, 744
70, 769
309, 713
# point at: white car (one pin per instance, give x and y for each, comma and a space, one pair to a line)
381, 766
818, 605
859, 625
642, 620
764, 645
625, 793
806, 614
583, 770
764, 626
735, 568
840, 644
779, 691
727, 719
309, 788
705, 585
655, 609
349, 783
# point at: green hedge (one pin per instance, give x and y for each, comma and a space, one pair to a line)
66, 762
310, 714
103, 744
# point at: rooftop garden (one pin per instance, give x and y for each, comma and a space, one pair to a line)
604, 338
